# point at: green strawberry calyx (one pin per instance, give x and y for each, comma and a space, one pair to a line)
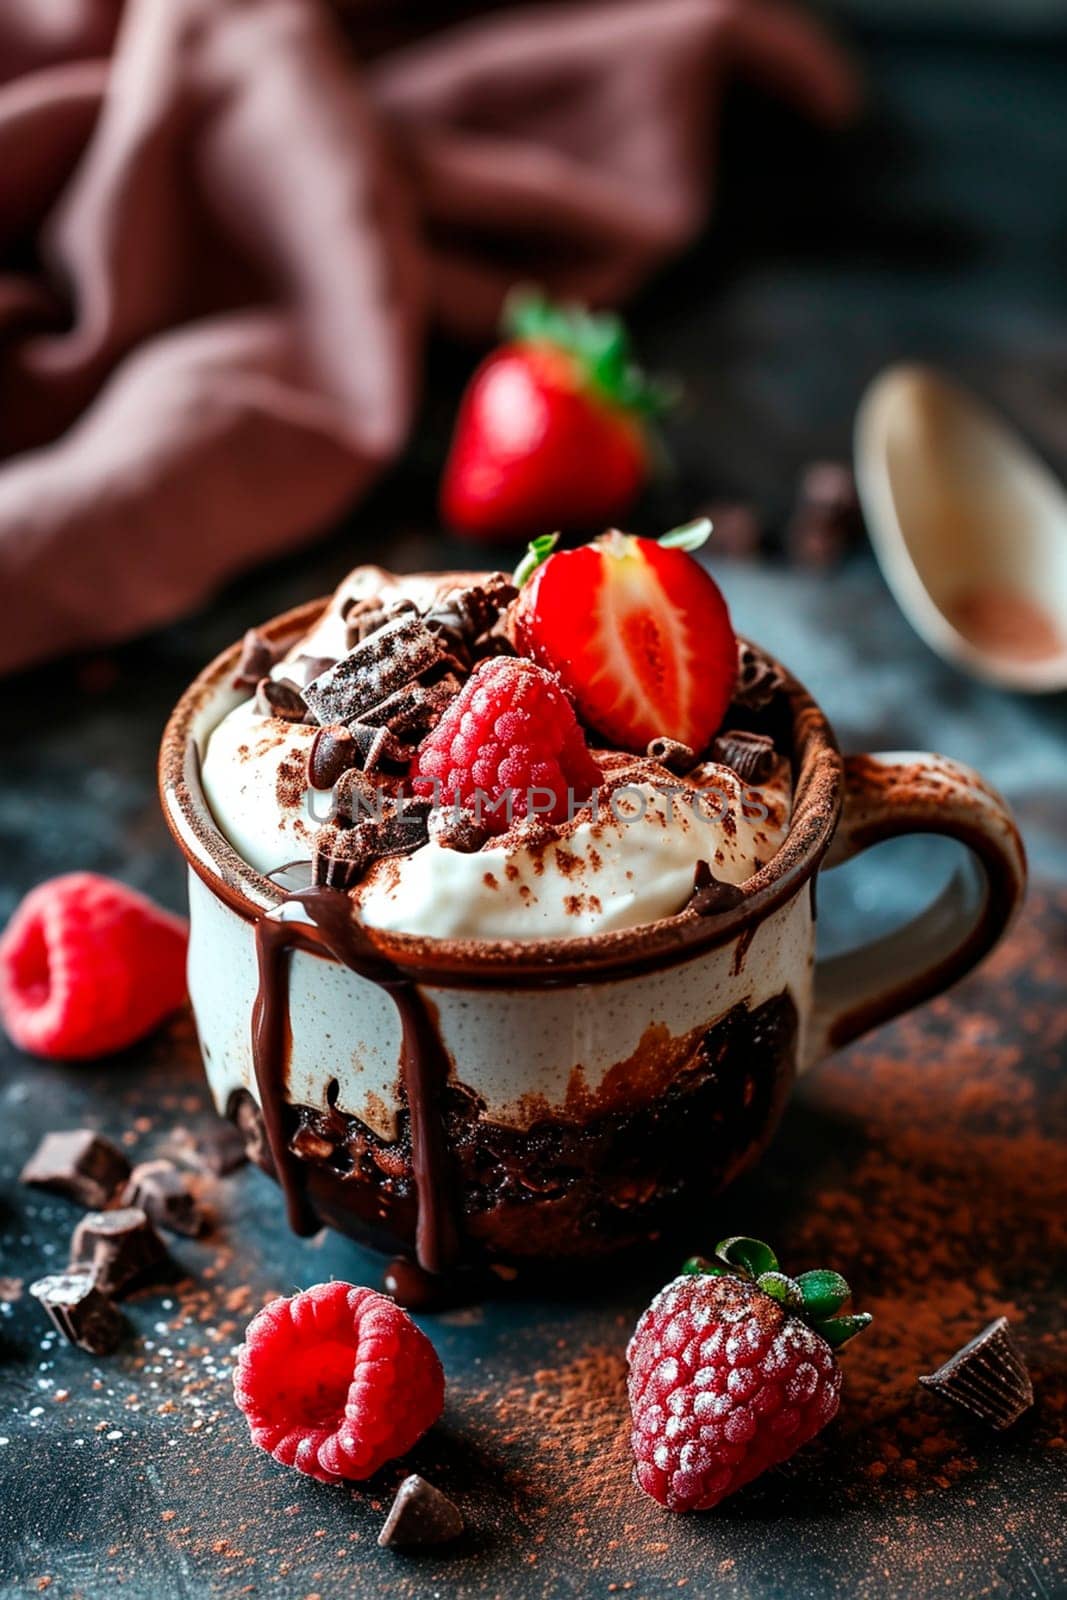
597, 340
689, 537
816, 1297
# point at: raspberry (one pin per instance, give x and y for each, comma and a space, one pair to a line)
87, 966
726, 1380
510, 731
336, 1381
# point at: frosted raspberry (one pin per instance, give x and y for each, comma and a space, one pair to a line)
511, 731
336, 1381
727, 1378
87, 966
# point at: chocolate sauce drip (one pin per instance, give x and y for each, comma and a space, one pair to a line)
424, 1063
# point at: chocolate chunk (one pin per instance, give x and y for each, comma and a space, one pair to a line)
394, 655
826, 520
80, 1311
414, 710
343, 854
280, 697
357, 798
161, 1191
217, 1148
758, 679
672, 754
751, 755
420, 1514
81, 1164
988, 1376
710, 895
736, 531
258, 655
120, 1248
456, 828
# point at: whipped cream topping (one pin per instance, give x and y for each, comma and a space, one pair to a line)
626, 860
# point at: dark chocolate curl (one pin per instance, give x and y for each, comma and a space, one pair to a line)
710, 895
672, 754
258, 655
280, 697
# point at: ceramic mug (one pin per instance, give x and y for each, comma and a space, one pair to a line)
556, 1098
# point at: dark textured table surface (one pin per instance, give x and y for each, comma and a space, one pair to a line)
924, 1163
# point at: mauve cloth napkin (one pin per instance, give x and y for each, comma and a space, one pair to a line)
224, 225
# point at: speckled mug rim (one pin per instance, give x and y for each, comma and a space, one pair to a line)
567, 961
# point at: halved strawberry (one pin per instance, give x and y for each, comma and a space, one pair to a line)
638, 633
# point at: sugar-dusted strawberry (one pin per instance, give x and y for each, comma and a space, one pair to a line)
638, 633
732, 1369
553, 428
87, 966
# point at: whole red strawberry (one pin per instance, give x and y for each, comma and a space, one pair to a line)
637, 631
732, 1369
553, 428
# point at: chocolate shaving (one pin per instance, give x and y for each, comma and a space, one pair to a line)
416, 708
257, 657
397, 654
366, 616
672, 754
758, 679
751, 755
464, 616
336, 749
80, 1311
343, 854
987, 1377
420, 1514
81, 1164
456, 828
280, 697
121, 1248
161, 1192
356, 797
710, 895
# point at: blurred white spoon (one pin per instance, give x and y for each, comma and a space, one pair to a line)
969, 527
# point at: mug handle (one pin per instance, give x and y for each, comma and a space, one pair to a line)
886, 796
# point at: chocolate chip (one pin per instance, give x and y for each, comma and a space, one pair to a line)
420, 1514
81, 1164
751, 755
120, 1248
395, 655
80, 1311
710, 895
672, 754
333, 751
456, 828
826, 520
988, 1377
758, 679
161, 1191
217, 1148
280, 697
258, 656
